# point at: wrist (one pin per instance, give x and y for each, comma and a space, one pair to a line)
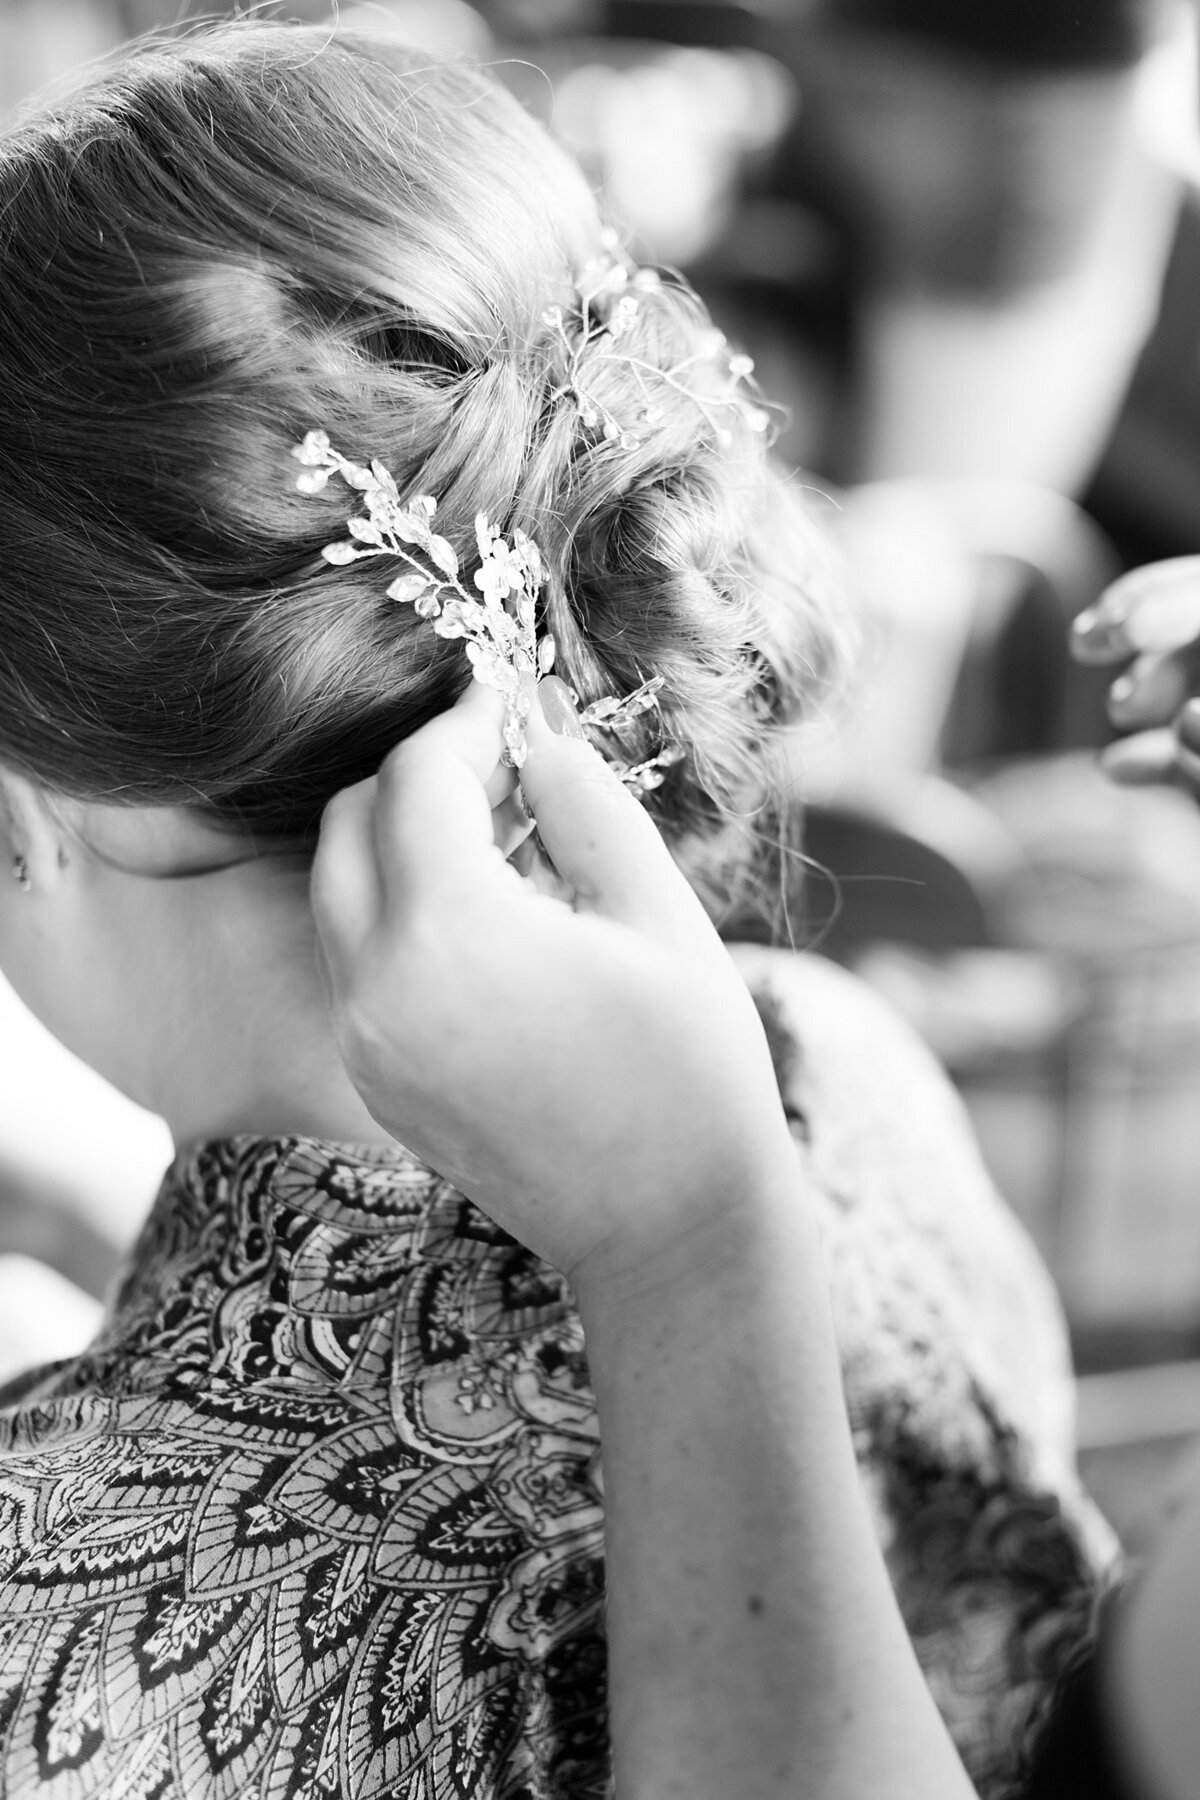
724, 1233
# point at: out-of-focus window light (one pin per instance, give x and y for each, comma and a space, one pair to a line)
668, 134
1168, 96
45, 42
444, 27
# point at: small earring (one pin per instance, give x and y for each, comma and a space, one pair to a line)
20, 870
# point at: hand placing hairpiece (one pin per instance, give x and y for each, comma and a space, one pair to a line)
499, 624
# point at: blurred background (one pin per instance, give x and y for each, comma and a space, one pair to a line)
962, 244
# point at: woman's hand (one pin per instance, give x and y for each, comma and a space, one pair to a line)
596, 1078
1153, 616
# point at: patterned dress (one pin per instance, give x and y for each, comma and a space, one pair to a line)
320, 1511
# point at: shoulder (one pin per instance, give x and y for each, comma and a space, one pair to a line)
845, 1052
936, 1285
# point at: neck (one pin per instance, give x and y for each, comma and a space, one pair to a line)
229, 1029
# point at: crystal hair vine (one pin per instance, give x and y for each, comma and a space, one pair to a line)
498, 622
613, 293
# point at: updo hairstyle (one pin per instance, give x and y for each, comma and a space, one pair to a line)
228, 239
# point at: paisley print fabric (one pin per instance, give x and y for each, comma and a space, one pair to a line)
318, 1515
320, 1512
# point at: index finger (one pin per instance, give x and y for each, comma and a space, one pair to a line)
605, 845
422, 828
1155, 608
433, 828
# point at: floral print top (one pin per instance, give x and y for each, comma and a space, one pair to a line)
320, 1512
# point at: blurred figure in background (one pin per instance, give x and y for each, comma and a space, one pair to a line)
1000, 170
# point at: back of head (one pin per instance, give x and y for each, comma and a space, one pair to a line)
229, 239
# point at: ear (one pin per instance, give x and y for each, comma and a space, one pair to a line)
35, 831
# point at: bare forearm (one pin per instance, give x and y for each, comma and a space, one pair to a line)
598, 1080
755, 1645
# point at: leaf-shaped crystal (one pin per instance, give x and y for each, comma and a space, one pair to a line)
500, 631
600, 711
443, 553
611, 712
624, 316
408, 587
410, 527
643, 698
385, 479
530, 557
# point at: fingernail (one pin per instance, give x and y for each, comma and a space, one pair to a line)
558, 708
1120, 690
1084, 621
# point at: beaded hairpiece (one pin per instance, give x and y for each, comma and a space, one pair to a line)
612, 294
497, 623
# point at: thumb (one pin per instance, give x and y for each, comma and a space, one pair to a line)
601, 841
